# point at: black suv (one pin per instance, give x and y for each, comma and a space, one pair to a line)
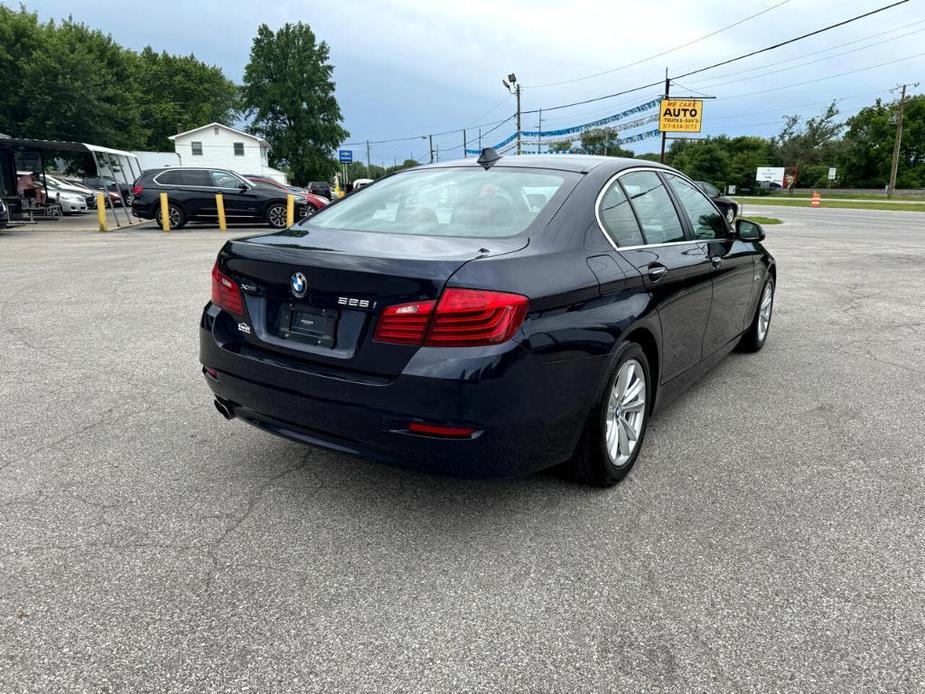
191, 197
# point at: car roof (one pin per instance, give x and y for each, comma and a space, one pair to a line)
579, 163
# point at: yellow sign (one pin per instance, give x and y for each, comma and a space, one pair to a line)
678, 116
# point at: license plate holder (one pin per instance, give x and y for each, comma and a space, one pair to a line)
309, 325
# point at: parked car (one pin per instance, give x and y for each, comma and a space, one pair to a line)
112, 187
322, 189
362, 183
191, 196
439, 321
66, 186
313, 201
727, 206
70, 202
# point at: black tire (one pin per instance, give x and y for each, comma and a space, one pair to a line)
754, 338
176, 213
592, 463
276, 215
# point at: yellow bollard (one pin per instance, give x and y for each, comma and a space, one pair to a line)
290, 210
165, 213
101, 211
220, 204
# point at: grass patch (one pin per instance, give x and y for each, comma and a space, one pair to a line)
764, 220
835, 204
850, 196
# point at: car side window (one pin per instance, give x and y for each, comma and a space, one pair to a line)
618, 219
169, 178
196, 177
707, 221
656, 213
223, 179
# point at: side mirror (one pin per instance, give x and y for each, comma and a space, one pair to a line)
244, 187
748, 231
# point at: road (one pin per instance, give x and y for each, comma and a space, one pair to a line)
770, 538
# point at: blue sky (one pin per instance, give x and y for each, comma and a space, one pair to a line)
405, 68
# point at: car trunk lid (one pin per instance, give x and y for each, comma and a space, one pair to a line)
315, 294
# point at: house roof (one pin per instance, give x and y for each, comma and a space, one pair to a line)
220, 125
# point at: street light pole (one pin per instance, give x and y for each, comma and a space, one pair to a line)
513, 87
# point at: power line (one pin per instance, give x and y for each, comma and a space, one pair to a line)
813, 53
632, 90
657, 55
728, 61
793, 40
821, 79
712, 85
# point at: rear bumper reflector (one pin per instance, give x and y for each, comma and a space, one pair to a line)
440, 430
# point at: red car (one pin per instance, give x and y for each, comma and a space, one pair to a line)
314, 201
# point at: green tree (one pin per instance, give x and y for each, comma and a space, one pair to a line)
604, 141
811, 146
289, 92
178, 93
867, 149
66, 82
721, 160
70, 82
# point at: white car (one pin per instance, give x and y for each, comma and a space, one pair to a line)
69, 202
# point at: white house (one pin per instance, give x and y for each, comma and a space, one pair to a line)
225, 148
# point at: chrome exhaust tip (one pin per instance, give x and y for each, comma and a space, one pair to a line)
223, 409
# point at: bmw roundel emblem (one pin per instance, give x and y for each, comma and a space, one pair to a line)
299, 285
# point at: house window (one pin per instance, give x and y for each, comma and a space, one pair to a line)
197, 149
239, 149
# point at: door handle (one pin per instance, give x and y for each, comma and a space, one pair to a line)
657, 271
717, 260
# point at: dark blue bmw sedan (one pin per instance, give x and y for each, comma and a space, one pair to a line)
487, 318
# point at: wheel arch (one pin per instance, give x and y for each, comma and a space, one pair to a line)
647, 340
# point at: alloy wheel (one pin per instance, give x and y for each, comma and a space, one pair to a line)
626, 411
278, 216
173, 214
764, 311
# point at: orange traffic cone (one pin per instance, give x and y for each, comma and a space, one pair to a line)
817, 199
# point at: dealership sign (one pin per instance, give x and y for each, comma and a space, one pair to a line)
771, 174
680, 116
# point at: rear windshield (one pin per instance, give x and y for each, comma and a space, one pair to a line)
448, 202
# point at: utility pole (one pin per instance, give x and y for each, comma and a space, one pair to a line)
464, 144
891, 189
368, 175
517, 89
661, 156
430, 144
437, 155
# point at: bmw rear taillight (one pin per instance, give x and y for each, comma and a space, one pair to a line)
468, 317
462, 318
137, 190
405, 324
225, 292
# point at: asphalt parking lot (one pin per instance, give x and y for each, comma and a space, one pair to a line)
770, 538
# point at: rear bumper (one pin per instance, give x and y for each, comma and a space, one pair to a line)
528, 414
